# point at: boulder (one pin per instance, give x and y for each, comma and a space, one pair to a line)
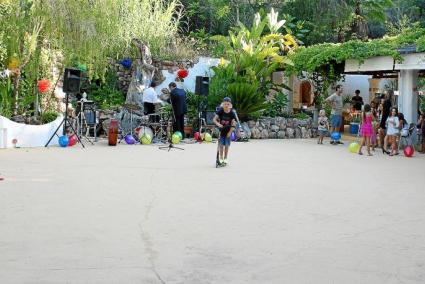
272, 135
251, 123
264, 134
274, 128
281, 134
290, 132
298, 133
255, 133
246, 128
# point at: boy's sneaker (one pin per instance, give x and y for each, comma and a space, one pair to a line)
225, 162
332, 142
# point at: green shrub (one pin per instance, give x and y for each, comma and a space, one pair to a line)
277, 105
246, 99
48, 116
106, 94
301, 116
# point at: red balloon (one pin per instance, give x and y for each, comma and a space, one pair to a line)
409, 151
182, 73
197, 136
43, 85
73, 140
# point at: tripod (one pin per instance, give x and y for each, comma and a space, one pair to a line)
65, 121
170, 141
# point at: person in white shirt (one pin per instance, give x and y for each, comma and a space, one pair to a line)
150, 98
392, 132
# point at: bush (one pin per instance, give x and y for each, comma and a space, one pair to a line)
246, 99
277, 105
106, 95
48, 116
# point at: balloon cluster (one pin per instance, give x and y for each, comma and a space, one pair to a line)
43, 85
65, 141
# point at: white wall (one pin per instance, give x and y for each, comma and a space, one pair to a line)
202, 68
356, 82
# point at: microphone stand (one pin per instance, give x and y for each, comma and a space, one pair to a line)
170, 141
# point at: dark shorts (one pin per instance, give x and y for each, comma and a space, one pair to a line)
323, 132
336, 120
224, 141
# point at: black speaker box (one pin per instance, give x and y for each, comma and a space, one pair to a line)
71, 81
202, 85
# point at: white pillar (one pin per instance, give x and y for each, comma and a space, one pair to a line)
408, 98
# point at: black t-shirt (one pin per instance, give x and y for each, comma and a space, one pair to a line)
225, 118
357, 102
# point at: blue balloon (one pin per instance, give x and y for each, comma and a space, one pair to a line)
336, 136
126, 63
63, 141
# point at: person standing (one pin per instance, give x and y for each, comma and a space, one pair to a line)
366, 129
323, 126
335, 100
392, 132
178, 102
385, 113
150, 98
357, 101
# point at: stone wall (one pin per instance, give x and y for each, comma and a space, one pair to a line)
280, 128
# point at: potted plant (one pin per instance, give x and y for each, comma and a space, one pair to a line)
355, 124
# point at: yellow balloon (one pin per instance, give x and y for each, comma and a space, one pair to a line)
146, 139
354, 147
208, 137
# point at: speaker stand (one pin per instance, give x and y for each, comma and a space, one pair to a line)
64, 122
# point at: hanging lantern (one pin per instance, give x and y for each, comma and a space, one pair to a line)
13, 63
59, 93
126, 63
43, 85
182, 73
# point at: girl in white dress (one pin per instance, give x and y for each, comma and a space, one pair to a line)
392, 132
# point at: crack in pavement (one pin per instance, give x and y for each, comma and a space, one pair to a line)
146, 237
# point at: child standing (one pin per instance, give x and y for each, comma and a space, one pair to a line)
225, 120
366, 129
323, 126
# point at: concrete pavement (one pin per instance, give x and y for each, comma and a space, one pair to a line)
287, 211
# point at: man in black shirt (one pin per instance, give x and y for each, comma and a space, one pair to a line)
357, 101
225, 119
178, 102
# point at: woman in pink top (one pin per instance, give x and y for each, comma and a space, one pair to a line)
366, 129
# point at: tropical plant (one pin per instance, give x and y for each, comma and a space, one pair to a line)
254, 54
277, 106
246, 99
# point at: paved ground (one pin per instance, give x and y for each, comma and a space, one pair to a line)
282, 212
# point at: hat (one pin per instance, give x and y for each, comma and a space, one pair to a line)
227, 99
